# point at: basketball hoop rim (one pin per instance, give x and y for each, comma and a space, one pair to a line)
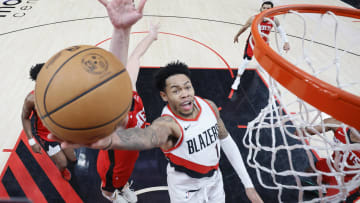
341, 105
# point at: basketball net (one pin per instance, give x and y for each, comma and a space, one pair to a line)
304, 90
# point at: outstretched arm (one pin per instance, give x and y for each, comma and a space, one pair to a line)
156, 135
282, 33
123, 15
28, 107
233, 154
243, 28
133, 65
329, 124
160, 133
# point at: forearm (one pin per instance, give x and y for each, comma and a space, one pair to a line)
240, 31
142, 47
135, 139
282, 34
133, 65
233, 154
27, 128
119, 44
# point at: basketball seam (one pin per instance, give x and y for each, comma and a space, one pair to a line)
52, 77
82, 94
48, 114
94, 127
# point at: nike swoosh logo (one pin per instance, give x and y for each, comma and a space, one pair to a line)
187, 127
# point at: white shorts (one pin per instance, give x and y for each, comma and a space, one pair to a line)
183, 188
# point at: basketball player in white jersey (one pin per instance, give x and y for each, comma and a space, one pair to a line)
190, 132
265, 28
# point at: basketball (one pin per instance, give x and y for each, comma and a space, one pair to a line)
82, 93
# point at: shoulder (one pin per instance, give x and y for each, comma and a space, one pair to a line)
211, 103
30, 98
251, 19
213, 106
164, 121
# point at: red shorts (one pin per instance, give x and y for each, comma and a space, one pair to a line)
248, 52
115, 167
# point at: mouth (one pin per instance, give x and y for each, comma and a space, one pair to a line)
187, 106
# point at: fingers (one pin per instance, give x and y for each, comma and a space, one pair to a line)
103, 2
141, 6
66, 145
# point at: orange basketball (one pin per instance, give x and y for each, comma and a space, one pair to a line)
82, 93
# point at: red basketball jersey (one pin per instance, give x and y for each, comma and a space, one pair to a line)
115, 166
354, 156
265, 27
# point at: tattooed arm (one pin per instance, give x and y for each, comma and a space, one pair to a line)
163, 132
160, 133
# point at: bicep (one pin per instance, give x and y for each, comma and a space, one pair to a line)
167, 128
28, 107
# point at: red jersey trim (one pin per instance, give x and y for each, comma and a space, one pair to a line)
191, 165
179, 140
185, 119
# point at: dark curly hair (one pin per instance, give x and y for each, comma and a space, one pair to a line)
34, 70
170, 69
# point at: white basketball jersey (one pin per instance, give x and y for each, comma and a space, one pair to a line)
197, 151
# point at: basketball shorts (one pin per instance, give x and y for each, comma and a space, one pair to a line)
115, 167
248, 52
51, 148
183, 188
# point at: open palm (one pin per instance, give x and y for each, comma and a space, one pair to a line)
122, 13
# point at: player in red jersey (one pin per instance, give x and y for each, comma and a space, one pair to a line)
341, 135
34, 129
265, 28
115, 166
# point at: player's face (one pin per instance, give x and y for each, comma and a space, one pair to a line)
265, 7
179, 93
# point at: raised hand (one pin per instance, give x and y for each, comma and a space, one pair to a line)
122, 13
286, 46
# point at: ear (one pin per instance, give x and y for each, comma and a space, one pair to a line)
163, 96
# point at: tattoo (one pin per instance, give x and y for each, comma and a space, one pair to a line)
141, 139
134, 139
222, 129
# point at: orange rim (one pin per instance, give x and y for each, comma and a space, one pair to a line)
327, 98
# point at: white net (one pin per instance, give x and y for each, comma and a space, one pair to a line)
293, 146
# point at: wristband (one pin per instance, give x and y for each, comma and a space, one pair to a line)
31, 141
